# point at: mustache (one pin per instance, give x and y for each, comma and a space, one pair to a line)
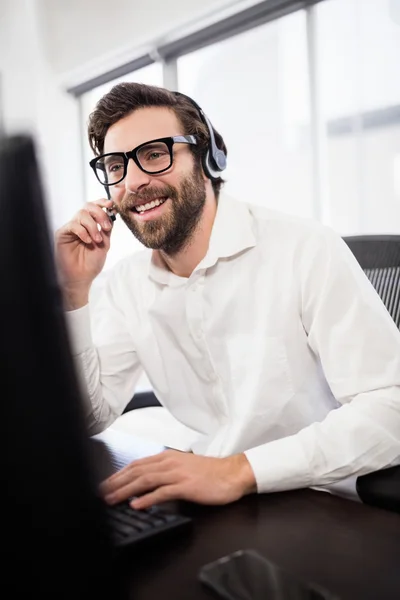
147, 195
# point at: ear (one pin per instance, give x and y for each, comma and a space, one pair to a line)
208, 186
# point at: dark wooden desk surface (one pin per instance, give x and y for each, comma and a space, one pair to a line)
351, 549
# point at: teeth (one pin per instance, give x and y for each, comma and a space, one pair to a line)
149, 205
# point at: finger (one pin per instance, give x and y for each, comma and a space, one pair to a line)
128, 475
104, 202
96, 210
77, 231
102, 238
144, 484
86, 220
154, 459
135, 467
160, 495
105, 239
96, 215
115, 482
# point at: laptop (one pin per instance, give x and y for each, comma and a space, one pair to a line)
58, 536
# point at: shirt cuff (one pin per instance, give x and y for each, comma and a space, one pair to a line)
280, 465
78, 323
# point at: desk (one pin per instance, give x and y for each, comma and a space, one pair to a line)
350, 548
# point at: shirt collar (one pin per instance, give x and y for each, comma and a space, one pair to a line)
232, 233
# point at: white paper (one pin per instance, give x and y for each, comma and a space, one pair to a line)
125, 448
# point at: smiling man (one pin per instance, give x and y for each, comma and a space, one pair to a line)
257, 330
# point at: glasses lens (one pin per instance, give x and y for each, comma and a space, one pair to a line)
154, 157
110, 169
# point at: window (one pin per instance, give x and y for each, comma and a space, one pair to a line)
309, 107
358, 50
254, 88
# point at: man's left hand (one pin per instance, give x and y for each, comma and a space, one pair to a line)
176, 475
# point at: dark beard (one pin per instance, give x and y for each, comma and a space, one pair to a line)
173, 231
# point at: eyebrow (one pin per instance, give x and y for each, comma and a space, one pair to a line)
108, 159
151, 144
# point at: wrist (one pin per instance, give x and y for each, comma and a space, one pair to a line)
75, 297
245, 474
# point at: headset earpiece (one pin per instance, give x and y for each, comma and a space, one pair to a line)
208, 166
214, 160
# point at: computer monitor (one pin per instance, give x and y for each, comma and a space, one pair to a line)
53, 532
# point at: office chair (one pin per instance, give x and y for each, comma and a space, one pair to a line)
142, 400
379, 257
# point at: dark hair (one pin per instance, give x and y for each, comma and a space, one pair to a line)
125, 98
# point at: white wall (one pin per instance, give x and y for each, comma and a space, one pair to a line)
46, 45
78, 32
33, 103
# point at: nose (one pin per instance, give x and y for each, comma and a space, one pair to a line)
135, 178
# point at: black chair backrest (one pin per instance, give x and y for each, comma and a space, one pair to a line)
142, 400
379, 257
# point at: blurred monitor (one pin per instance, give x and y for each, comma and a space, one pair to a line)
53, 528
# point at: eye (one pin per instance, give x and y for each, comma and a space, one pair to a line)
115, 167
155, 154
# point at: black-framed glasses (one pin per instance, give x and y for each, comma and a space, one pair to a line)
153, 157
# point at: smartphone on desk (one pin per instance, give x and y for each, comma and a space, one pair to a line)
247, 575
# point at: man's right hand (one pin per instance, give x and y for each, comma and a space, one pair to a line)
81, 251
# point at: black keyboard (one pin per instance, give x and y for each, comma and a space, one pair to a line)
130, 526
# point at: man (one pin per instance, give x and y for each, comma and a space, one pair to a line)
256, 329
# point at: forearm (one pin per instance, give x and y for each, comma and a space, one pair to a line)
97, 413
97, 410
104, 395
355, 439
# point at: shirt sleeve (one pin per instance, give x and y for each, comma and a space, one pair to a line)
358, 345
106, 361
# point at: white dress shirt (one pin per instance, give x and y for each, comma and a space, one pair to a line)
277, 345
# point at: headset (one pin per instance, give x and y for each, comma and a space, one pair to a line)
214, 160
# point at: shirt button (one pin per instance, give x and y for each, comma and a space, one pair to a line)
195, 288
